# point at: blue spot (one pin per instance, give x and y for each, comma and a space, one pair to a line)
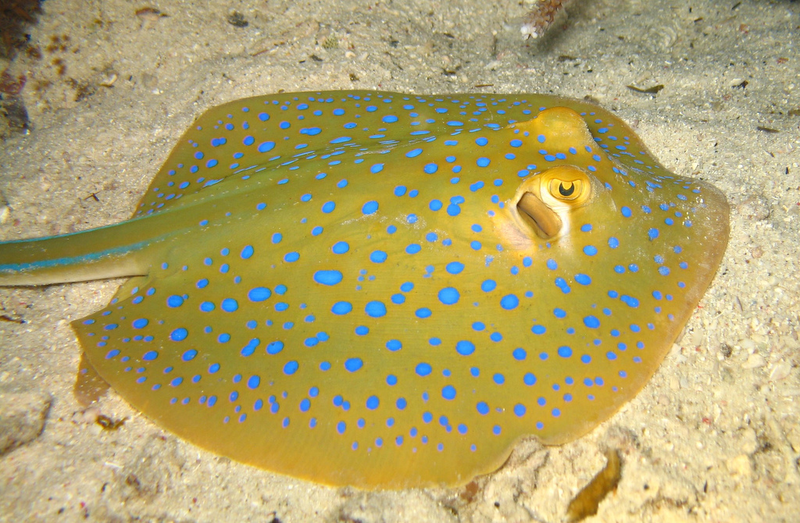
626, 212
328, 207
483, 408
292, 257
266, 146
174, 301
613, 242
538, 329
483, 162
559, 313
341, 308
519, 410
591, 322
247, 252
652, 234
448, 392
250, 348
629, 301
328, 277
499, 378
431, 168
423, 369
394, 345
590, 250
375, 309
189, 355
373, 402
564, 351
378, 167
481, 141
561, 283
529, 379
465, 348
370, 207
413, 153
455, 267
424, 312
229, 305
413, 248
353, 364
519, 354
449, 296
378, 257
179, 334
488, 285
340, 247
150, 355
509, 302
253, 382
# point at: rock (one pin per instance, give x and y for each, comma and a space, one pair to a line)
22, 416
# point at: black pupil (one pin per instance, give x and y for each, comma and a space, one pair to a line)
566, 191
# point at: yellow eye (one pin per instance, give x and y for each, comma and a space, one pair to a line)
566, 190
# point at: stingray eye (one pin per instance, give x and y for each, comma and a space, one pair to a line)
567, 190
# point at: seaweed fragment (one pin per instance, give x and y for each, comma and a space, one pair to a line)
648, 90
585, 503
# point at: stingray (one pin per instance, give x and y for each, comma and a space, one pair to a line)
388, 290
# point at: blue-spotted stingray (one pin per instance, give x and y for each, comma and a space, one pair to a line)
387, 290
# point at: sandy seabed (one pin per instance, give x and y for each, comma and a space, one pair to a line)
715, 436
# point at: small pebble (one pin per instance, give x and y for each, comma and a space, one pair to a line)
755, 361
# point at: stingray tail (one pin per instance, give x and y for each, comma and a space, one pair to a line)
106, 252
